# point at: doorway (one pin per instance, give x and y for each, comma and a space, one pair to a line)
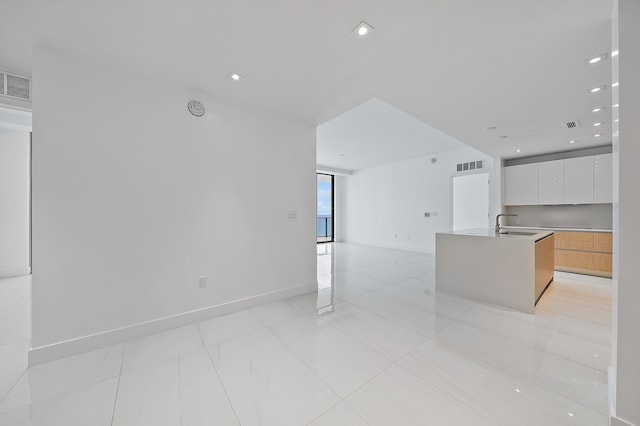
470, 197
325, 208
15, 193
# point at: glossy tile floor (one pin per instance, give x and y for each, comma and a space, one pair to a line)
375, 346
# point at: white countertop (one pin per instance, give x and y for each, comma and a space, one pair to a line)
484, 232
558, 228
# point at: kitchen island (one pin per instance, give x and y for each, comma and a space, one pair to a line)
512, 269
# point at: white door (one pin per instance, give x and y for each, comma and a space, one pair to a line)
15, 157
470, 201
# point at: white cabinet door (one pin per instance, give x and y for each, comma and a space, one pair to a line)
551, 182
521, 185
603, 178
578, 180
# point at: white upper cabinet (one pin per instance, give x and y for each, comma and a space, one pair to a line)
578, 180
581, 180
551, 182
603, 178
521, 185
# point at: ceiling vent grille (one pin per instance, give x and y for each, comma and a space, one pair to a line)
15, 86
572, 124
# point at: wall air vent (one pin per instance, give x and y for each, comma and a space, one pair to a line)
572, 124
471, 165
15, 86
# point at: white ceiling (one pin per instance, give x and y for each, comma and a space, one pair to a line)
459, 66
376, 133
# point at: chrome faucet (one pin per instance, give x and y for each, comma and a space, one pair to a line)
498, 221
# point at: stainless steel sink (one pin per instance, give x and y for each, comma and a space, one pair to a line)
519, 233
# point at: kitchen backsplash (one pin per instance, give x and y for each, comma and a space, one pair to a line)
596, 216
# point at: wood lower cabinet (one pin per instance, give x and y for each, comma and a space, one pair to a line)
582, 241
602, 242
584, 252
602, 262
544, 264
574, 259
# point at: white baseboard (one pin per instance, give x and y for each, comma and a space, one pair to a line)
397, 246
615, 421
611, 391
15, 273
46, 353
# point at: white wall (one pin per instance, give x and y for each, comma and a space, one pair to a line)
134, 199
626, 208
339, 182
14, 201
496, 205
385, 205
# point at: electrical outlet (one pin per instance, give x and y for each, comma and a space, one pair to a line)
202, 282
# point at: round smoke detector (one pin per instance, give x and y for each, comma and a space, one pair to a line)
196, 108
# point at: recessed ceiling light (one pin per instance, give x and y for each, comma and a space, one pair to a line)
362, 29
235, 76
597, 109
616, 84
595, 60
518, 150
616, 105
597, 135
614, 53
491, 128
617, 120
596, 89
573, 141
597, 124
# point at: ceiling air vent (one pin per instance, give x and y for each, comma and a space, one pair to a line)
572, 124
15, 86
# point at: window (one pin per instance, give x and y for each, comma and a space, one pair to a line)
324, 216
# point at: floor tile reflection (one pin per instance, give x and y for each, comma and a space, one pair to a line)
377, 344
